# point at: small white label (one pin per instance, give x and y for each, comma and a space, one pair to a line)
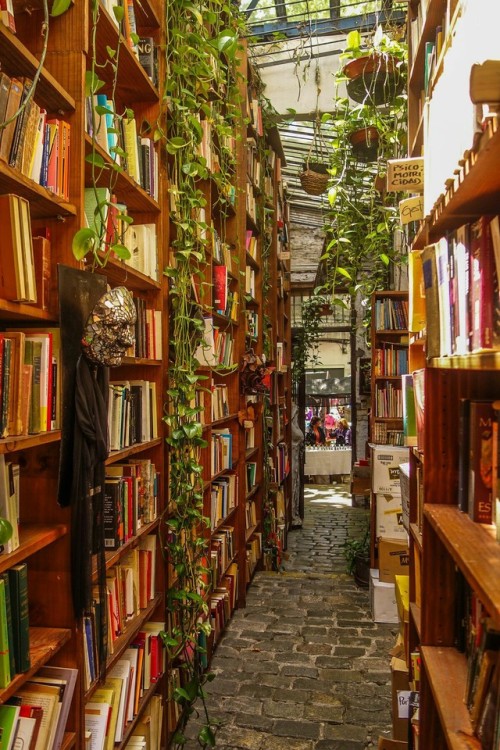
403, 704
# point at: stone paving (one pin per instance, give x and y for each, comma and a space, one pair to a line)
303, 667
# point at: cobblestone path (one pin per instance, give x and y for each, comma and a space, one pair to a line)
303, 667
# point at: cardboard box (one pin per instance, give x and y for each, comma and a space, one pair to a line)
402, 584
389, 517
382, 600
400, 686
393, 559
404, 481
386, 460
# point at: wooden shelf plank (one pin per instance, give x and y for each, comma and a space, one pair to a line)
147, 15
142, 361
479, 361
474, 549
32, 538
119, 272
20, 311
131, 450
252, 261
44, 643
44, 203
223, 521
250, 452
252, 492
249, 532
446, 671
69, 741
23, 442
17, 60
416, 614
224, 319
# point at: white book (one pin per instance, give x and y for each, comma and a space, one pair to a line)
131, 655
25, 728
122, 670
66, 677
96, 722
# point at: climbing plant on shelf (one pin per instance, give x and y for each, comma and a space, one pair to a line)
200, 85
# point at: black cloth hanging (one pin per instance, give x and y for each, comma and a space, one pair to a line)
90, 450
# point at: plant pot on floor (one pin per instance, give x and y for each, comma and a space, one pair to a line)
374, 77
362, 570
364, 143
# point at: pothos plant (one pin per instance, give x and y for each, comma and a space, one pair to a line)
200, 88
363, 218
305, 344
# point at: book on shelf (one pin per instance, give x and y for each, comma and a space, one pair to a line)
13, 92
5, 658
9, 719
391, 314
475, 460
148, 57
18, 275
64, 679
9, 499
18, 588
409, 418
96, 723
220, 401
132, 413
221, 451
220, 281
48, 697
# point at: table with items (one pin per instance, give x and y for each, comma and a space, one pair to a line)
326, 460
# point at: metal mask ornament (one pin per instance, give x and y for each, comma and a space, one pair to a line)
109, 330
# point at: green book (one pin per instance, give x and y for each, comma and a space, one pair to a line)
9, 717
18, 579
4, 406
10, 632
34, 424
5, 675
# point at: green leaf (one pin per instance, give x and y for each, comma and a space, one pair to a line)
353, 40
83, 242
344, 272
59, 7
196, 13
96, 160
119, 12
207, 737
92, 83
121, 251
135, 38
111, 52
177, 142
180, 695
103, 110
385, 259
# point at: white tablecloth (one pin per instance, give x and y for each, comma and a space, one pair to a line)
323, 462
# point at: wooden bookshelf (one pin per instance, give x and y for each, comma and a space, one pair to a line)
449, 552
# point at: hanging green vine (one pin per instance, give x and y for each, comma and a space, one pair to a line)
201, 93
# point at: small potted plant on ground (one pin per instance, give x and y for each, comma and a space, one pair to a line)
357, 555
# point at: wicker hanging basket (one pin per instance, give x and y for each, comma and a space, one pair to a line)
314, 175
314, 183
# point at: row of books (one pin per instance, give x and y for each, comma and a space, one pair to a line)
30, 381
115, 703
253, 554
222, 549
33, 143
118, 137
35, 717
132, 413
254, 114
221, 451
250, 282
390, 314
251, 244
14, 624
225, 301
388, 401
254, 167
9, 500
18, 277
460, 276
216, 346
223, 497
109, 219
148, 332
251, 202
147, 733
223, 601
250, 514
390, 359
221, 250
252, 323
281, 365
220, 402
384, 435
130, 500
479, 461
250, 475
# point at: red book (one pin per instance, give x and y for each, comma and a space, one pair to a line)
220, 288
481, 284
481, 461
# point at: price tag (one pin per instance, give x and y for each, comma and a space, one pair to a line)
403, 704
405, 174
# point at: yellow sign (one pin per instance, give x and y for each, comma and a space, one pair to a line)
411, 209
405, 174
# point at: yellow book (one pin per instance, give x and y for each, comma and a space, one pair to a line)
110, 693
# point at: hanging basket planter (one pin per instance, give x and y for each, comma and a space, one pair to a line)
364, 142
375, 77
314, 182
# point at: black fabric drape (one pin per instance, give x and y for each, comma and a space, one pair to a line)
90, 451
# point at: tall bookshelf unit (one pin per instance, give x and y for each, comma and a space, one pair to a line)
56, 637
447, 546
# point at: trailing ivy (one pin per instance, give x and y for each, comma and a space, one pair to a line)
200, 86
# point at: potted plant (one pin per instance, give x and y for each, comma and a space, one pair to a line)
373, 72
357, 555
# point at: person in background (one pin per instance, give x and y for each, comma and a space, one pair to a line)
343, 433
329, 425
315, 433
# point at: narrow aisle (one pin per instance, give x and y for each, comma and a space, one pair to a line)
303, 667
